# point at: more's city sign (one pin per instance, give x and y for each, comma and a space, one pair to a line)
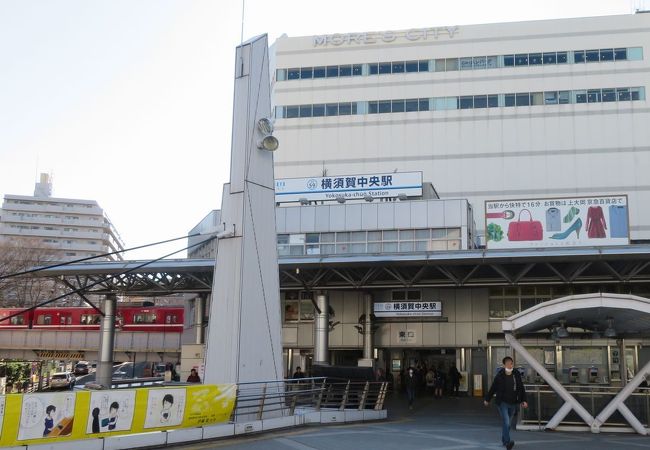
378, 37
376, 185
557, 222
408, 309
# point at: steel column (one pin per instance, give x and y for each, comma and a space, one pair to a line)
622, 361
367, 327
321, 330
199, 311
107, 342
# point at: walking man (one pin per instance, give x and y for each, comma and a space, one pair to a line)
510, 393
411, 384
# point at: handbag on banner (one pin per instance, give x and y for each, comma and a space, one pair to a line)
525, 230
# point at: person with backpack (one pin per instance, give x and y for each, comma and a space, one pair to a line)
509, 390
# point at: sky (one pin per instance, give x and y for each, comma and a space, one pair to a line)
129, 102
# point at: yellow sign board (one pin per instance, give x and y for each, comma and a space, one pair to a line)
69, 415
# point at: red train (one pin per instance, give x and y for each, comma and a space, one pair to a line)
129, 318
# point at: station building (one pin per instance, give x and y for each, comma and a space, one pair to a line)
532, 147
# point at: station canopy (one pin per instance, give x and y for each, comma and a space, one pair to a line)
611, 315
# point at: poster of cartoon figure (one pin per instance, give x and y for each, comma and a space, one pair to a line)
46, 415
110, 411
165, 408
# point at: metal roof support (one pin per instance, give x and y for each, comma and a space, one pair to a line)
618, 402
448, 274
611, 270
395, 274
637, 269
501, 271
469, 274
346, 277
557, 272
578, 272
523, 272
569, 401
418, 275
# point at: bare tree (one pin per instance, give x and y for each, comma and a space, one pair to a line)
24, 290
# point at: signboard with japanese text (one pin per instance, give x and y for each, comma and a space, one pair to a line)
557, 222
48, 417
408, 309
377, 185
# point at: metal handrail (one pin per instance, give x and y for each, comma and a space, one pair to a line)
592, 397
259, 399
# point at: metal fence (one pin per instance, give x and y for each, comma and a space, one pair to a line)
543, 403
269, 398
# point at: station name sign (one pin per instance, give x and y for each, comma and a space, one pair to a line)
377, 185
408, 309
377, 37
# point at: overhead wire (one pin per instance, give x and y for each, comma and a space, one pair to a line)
102, 255
85, 288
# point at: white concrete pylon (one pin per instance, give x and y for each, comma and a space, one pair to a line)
244, 342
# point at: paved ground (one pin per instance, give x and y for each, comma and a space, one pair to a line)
447, 424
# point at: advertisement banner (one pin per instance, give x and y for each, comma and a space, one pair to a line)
111, 411
557, 222
46, 415
42, 418
408, 309
377, 185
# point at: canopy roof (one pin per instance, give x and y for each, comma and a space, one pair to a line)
628, 315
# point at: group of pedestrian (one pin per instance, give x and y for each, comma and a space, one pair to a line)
433, 381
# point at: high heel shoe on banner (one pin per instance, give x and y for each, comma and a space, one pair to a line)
576, 226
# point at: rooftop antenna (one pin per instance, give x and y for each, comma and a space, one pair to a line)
243, 11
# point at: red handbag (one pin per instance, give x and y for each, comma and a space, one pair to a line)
525, 230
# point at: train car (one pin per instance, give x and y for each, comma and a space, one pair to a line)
158, 319
18, 322
128, 318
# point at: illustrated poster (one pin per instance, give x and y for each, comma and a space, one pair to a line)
46, 415
111, 411
165, 408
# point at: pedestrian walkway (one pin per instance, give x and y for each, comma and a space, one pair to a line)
444, 424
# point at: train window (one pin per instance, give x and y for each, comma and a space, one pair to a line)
62, 320
17, 320
144, 318
90, 319
69, 320
171, 318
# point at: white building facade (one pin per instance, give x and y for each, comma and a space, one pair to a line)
552, 108
67, 229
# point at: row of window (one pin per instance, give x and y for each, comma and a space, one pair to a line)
66, 229
507, 301
67, 241
465, 63
462, 102
386, 241
31, 202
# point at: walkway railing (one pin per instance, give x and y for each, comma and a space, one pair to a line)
543, 403
268, 398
